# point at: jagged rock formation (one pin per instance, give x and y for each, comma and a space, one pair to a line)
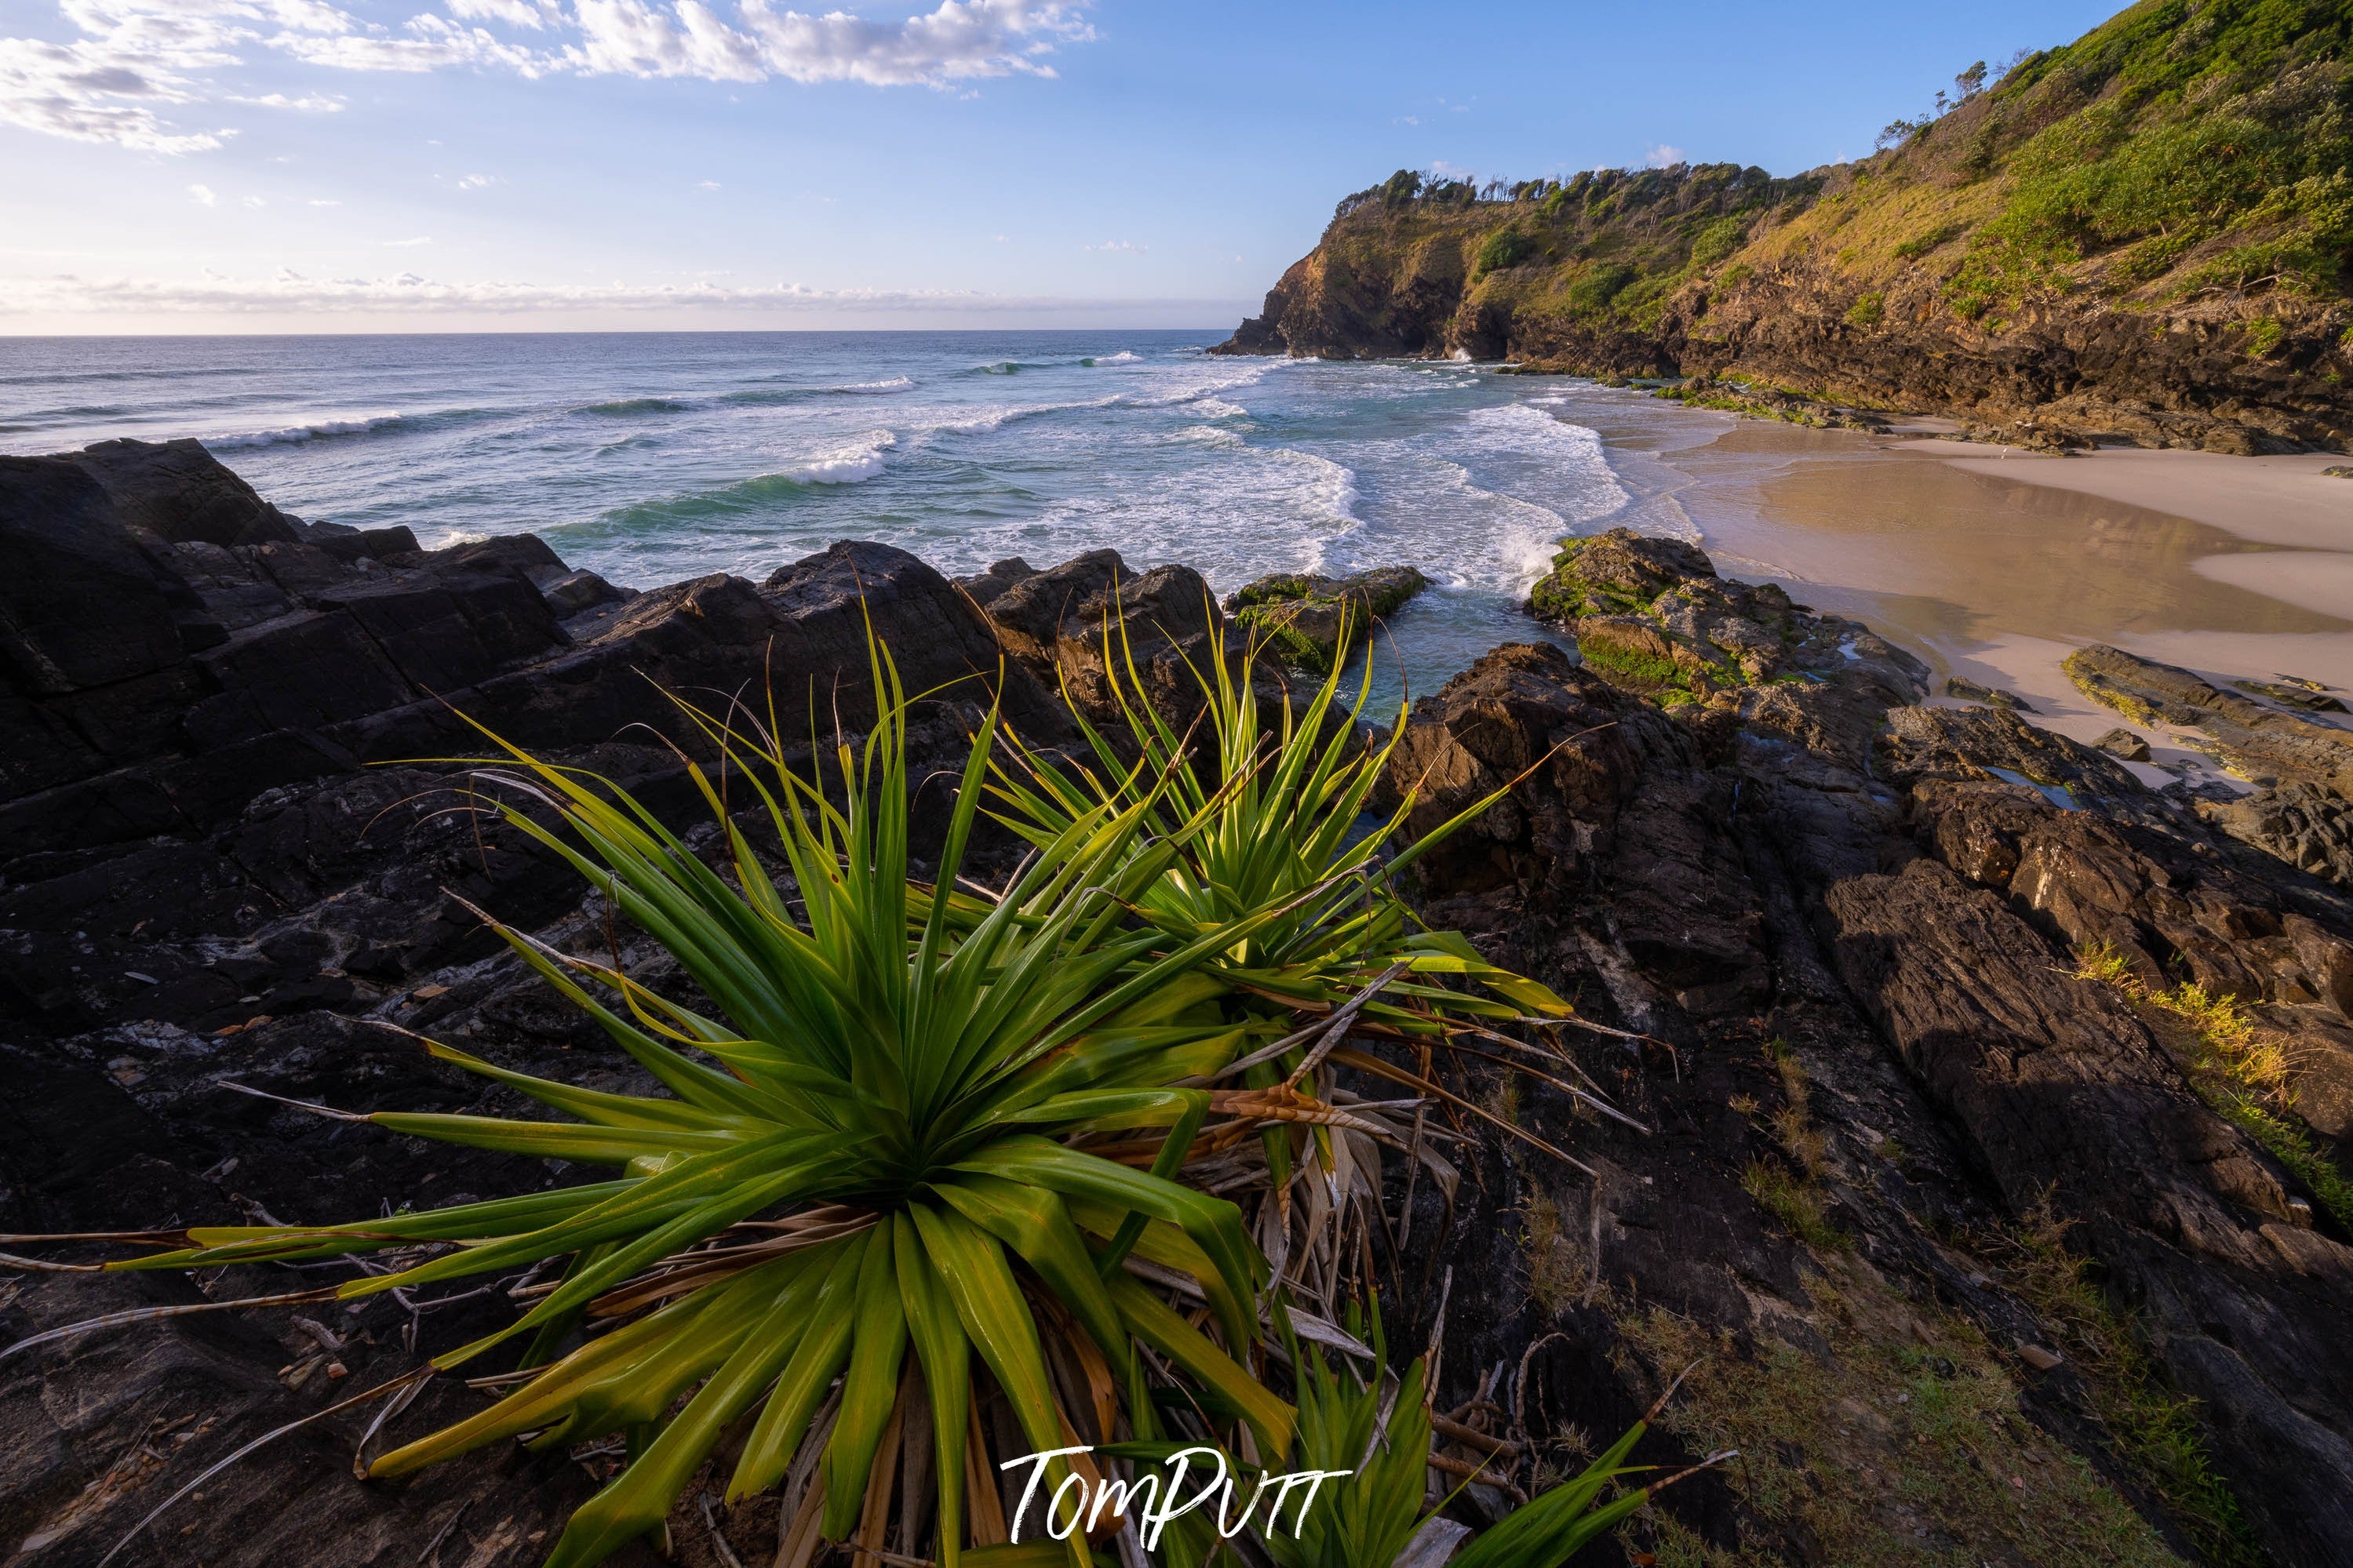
1837, 930
1074, 617
2141, 236
2302, 768
2265, 744
1854, 973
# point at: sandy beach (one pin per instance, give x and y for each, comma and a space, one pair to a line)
1994, 563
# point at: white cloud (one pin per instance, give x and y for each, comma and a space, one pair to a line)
433, 44
289, 292
1127, 246
310, 103
706, 184
421, 239
515, 13
204, 194
89, 91
257, 203
135, 58
1663, 156
324, 202
477, 181
962, 39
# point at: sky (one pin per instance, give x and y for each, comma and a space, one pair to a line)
373, 165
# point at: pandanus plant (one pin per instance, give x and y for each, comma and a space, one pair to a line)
1284, 825
885, 1133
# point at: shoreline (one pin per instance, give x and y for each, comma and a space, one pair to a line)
1994, 563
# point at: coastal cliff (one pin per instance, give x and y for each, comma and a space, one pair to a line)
2145, 235
1981, 1113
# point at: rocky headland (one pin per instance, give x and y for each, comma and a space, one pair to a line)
1984, 1112
2141, 237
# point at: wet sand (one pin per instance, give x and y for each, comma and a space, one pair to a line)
1993, 565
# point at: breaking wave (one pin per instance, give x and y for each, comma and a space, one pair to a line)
346, 428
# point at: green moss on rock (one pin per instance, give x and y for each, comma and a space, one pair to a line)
1313, 622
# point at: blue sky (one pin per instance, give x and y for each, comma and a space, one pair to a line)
346, 165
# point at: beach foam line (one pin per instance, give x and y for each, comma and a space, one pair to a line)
1523, 430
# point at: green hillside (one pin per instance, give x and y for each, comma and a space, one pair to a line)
2147, 232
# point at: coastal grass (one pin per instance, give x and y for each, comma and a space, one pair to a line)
2153, 1431
2241, 1071
1790, 1189
1895, 1438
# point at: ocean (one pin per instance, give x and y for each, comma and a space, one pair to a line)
655, 457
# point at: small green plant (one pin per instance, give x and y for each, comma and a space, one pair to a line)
1376, 1442
2101, 962
1921, 244
1600, 285
1795, 1203
1867, 310
1717, 241
2265, 335
1506, 247
1792, 1193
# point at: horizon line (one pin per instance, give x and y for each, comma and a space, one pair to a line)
447, 331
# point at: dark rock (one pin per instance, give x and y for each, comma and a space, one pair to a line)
2070, 1100
1305, 619
1652, 615
523, 554
2124, 743
1068, 616
1995, 744
2258, 741
2308, 826
575, 592
2291, 696
176, 491
1992, 696
81, 604
1615, 574
983, 588
1929, 888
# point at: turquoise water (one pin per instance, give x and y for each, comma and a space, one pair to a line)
651, 457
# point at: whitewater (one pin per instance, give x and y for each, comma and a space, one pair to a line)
651, 457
